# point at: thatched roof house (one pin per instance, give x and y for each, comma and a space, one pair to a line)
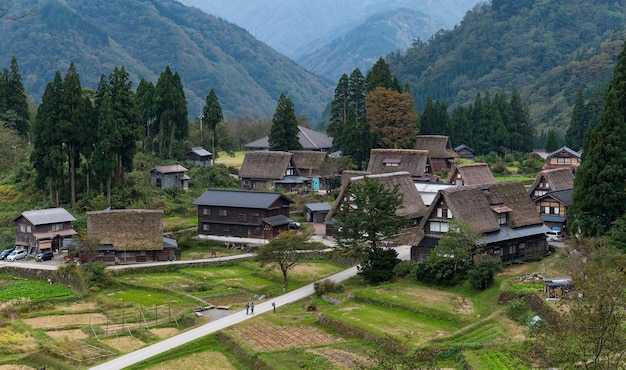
471, 174
127, 229
415, 162
442, 155
503, 212
348, 174
262, 169
412, 206
309, 163
551, 180
309, 139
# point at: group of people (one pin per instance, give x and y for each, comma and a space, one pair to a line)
250, 308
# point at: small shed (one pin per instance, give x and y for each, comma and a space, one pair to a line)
556, 288
316, 212
464, 151
198, 156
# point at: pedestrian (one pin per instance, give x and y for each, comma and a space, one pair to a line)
274, 306
252, 308
247, 307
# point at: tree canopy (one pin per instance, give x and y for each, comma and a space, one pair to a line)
284, 132
212, 114
391, 118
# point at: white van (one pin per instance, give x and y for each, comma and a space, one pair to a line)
553, 236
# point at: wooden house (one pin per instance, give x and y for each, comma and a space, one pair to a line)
470, 174
254, 215
317, 212
415, 162
43, 229
464, 151
551, 180
198, 156
318, 166
552, 209
309, 139
262, 170
563, 158
174, 175
129, 236
502, 212
442, 155
412, 208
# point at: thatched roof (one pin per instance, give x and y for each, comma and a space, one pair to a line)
478, 205
127, 229
471, 174
557, 179
412, 204
413, 161
265, 165
309, 139
438, 145
348, 174
309, 162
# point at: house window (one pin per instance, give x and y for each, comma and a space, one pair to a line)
57, 227
23, 228
444, 213
501, 218
438, 226
563, 160
539, 193
206, 211
242, 217
290, 172
205, 227
223, 212
391, 162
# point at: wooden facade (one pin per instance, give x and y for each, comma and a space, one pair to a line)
45, 229
164, 177
242, 214
563, 158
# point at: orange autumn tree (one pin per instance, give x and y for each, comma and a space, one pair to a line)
392, 118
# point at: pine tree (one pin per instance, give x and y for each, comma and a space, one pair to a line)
212, 114
598, 197
284, 132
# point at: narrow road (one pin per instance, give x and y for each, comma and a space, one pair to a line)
213, 326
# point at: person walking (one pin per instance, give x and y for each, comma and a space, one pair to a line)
247, 307
274, 306
252, 308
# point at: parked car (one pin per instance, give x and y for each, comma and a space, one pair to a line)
553, 236
294, 225
17, 254
44, 256
5, 253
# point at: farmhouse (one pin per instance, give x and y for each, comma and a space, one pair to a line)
551, 180
471, 174
43, 229
262, 170
128, 236
254, 215
563, 158
502, 212
441, 153
415, 162
309, 139
198, 156
174, 175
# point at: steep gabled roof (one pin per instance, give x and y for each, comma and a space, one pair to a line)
309, 139
564, 150
172, 168
240, 199
348, 174
199, 151
264, 164
557, 179
309, 162
47, 216
476, 204
411, 160
412, 204
438, 145
561, 196
472, 174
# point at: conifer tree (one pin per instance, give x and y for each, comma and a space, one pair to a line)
212, 114
171, 113
598, 197
13, 99
147, 109
380, 76
578, 123
552, 143
284, 132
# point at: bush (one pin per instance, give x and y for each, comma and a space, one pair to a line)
517, 310
404, 268
328, 286
481, 275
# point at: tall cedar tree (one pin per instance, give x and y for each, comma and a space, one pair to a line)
339, 114
147, 110
380, 76
552, 142
13, 99
373, 217
598, 197
47, 157
108, 138
284, 132
212, 114
171, 115
577, 128
73, 118
391, 118
358, 132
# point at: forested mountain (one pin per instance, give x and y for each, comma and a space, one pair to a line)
145, 36
545, 50
355, 32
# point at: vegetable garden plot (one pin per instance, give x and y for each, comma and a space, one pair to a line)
264, 336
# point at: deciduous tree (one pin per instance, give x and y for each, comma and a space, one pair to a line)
392, 119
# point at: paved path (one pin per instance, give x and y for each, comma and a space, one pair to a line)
213, 326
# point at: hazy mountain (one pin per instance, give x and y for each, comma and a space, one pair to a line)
147, 35
545, 50
306, 31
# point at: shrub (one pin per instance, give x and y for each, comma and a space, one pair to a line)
518, 311
404, 268
310, 305
328, 286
